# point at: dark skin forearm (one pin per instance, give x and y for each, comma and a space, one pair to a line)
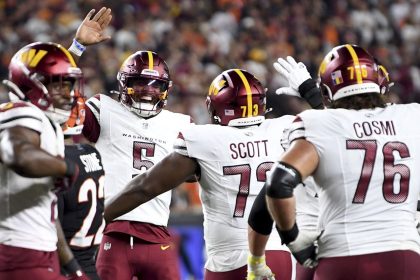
173, 170
65, 254
256, 242
20, 151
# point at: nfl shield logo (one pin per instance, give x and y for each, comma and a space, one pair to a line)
336, 77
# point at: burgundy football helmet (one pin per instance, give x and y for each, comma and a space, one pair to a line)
348, 70
144, 82
37, 65
236, 98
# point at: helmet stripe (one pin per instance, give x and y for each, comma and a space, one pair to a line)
248, 91
69, 56
150, 54
356, 63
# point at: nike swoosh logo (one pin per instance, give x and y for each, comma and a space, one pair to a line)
163, 248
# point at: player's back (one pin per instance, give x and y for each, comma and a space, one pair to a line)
368, 177
27, 205
233, 168
81, 208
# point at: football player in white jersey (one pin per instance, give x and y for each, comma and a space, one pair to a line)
364, 155
46, 92
133, 132
45, 84
231, 158
289, 99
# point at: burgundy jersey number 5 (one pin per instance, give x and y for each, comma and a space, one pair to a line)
138, 148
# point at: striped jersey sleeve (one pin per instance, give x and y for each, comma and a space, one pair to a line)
180, 146
20, 114
295, 132
94, 104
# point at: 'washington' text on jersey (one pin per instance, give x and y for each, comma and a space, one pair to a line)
91, 162
150, 139
257, 148
364, 129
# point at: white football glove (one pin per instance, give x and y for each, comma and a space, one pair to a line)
295, 73
258, 269
304, 248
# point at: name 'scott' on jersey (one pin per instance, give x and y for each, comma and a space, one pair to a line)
234, 163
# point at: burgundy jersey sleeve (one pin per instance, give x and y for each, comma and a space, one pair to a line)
91, 126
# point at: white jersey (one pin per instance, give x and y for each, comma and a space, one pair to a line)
307, 205
27, 206
129, 145
233, 166
368, 175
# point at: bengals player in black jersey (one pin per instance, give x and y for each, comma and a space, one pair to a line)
80, 209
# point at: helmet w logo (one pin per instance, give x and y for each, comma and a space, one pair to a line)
216, 86
32, 57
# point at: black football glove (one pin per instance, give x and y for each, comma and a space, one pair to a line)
302, 244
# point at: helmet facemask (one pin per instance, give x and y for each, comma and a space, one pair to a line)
144, 83
46, 75
64, 92
143, 96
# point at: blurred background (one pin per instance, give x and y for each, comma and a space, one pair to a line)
199, 39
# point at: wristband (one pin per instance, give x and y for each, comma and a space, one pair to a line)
255, 260
77, 48
288, 236
259, 218
73, 267
311, 93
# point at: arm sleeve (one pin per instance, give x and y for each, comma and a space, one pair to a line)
259, 218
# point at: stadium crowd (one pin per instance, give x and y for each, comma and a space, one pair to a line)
198, 39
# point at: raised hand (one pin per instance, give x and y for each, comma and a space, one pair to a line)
295, 73
92, 30
300, 81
